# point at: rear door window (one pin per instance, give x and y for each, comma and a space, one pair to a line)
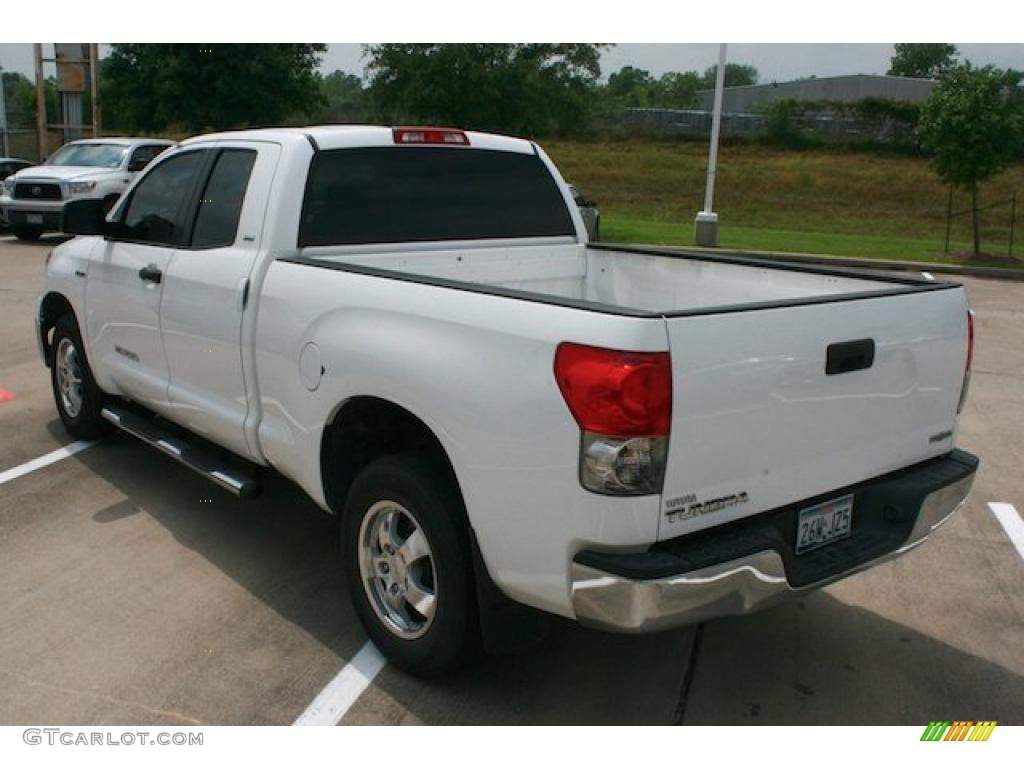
416, 194
221, 202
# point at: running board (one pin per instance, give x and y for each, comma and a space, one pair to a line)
206, 463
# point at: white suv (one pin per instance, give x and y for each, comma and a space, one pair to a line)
33, 199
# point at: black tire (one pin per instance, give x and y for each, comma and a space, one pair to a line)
422, 488
87, 422
23, 232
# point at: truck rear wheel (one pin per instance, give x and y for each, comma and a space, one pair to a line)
408, 561
75, 393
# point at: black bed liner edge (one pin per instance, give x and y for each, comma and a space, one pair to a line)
903, 285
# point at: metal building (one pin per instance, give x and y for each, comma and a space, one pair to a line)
746, 98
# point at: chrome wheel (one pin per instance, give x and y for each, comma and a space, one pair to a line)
397, 569
69, 377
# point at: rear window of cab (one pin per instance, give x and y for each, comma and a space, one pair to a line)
419, 194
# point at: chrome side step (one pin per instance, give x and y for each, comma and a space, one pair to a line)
205, 463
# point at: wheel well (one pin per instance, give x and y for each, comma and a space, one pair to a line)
364, 429
53, 308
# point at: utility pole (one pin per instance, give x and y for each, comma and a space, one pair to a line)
706, 223
40, 103
94, 65
5, 148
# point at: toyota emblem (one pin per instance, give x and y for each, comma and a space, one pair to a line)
37, 191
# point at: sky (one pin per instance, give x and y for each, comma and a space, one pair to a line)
774, 61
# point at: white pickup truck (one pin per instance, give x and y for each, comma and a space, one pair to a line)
33, 198
411, 325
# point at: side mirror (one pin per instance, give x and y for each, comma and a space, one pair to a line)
134, 166
85, 217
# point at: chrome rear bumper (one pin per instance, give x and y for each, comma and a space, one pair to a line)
755, 581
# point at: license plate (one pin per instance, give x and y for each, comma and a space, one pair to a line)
824, 523
34, 218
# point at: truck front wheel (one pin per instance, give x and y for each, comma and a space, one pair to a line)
408, 562
78, 399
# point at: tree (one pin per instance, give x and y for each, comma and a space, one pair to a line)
20, 94
972, 124
631, 86
516, 88
923, 59
678, 90
344, 98
735, 74
195, 87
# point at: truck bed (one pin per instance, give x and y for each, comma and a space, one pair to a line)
621, 279
788, 380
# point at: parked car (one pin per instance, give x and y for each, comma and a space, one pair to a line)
9, 165
33, 198
589, 211
411, 325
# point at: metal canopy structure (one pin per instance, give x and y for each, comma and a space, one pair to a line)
76, 70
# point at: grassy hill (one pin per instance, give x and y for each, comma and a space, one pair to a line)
848, 203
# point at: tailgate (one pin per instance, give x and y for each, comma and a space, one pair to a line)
757, 423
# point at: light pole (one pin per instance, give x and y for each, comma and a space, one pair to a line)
706, 223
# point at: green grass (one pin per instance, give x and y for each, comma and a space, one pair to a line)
845, 203
631, 230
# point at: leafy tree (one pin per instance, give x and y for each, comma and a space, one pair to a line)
20, 93
973, 126
631, 86
678, 90
923, 59
344, 98
735, 74
510, 87
196, 87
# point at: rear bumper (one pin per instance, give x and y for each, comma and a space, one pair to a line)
749, 565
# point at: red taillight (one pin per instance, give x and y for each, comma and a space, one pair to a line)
970, 361
970, 340
625, 394
449, 136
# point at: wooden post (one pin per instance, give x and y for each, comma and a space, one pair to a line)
40, 103
1013, 218
949, 217
94, 65
974, 219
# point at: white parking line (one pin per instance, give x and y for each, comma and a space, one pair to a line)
1008, 517
44, 461
341, 693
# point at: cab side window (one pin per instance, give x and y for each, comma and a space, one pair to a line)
156, 211
143, 156
221, 202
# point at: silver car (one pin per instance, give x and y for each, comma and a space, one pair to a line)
9, 166
589, 211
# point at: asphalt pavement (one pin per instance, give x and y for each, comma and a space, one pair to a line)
134, 592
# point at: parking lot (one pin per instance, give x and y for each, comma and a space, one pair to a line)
133, 591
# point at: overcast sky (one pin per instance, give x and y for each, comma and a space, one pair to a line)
773, 61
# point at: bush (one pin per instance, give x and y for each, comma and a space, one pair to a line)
874, 122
